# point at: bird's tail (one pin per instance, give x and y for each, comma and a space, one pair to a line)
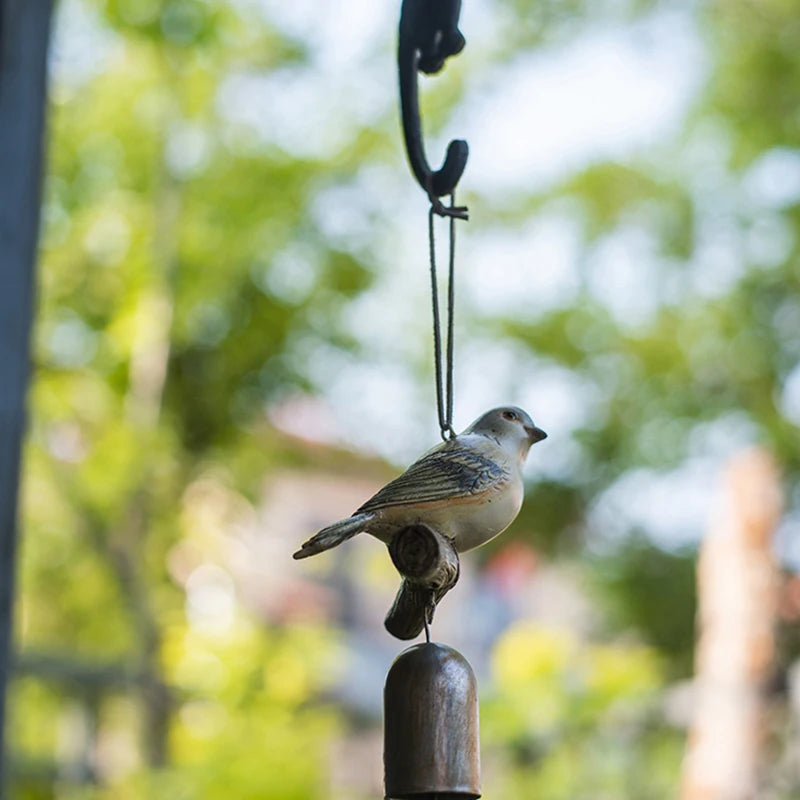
334, 534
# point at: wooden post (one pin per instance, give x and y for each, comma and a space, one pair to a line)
737, 599
431, 742
24, 30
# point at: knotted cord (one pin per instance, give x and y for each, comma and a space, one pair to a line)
444, 388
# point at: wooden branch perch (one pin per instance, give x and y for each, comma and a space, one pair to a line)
429, 565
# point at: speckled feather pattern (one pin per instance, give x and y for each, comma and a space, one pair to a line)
445, 473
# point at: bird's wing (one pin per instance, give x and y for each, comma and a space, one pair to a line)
447, 472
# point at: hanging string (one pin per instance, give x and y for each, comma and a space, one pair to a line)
444, 387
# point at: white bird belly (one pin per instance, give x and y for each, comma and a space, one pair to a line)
468, 522
480, 523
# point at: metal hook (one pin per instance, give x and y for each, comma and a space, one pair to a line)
428, 36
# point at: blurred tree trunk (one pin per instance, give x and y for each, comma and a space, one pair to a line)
24, 31
737, 599
126, 543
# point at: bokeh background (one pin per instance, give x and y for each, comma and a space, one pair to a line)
233, 349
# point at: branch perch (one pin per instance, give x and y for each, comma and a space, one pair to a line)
429, 565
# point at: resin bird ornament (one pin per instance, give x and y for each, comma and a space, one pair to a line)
469, 488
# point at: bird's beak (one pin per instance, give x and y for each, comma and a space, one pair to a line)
535, 434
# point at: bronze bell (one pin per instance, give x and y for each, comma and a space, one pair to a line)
430, 740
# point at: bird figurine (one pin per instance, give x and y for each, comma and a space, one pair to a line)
469, 488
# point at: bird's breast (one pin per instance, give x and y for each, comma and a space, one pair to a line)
477, 525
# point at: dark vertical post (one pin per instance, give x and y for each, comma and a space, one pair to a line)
24, 34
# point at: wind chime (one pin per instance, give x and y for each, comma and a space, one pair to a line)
454, 498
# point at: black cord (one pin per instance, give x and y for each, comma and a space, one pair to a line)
444, 388
450, 305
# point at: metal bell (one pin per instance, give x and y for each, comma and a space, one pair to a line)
430, 738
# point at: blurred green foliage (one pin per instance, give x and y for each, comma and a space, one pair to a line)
165, 326
577, 721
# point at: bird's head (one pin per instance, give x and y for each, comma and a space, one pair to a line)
510, 426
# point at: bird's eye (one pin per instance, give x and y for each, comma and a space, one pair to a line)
510, 415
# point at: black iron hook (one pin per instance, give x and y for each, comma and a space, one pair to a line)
428, 36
